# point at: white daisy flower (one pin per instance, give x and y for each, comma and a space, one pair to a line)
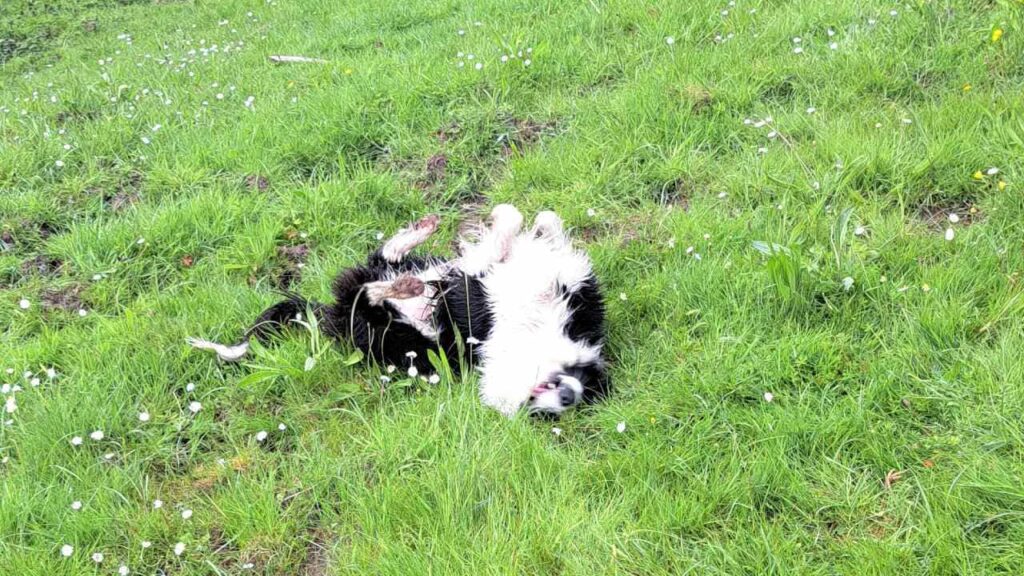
179, 548
413, 372
67, 550
186, 514
282, 427
950, 234
556, 431
10, 406
954, 217
194, 406
97, 557
620, 427
992, 171
143, 416
76, 441
146, 544
190, 387
76, 505
158, 504
434, 379
768, 396
51, 373
24, 304
834, 46
123, 570
96, 435
479, 66
670, 40
261, 435
847, 283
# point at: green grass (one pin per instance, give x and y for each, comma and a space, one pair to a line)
641, 145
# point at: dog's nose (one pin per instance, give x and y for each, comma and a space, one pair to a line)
567, 396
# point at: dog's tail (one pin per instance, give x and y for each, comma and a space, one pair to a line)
270, 322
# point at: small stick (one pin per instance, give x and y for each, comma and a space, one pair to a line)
279, 59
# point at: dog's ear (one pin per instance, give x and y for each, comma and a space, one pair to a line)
597, 382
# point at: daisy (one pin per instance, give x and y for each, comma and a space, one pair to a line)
179, 548
434, 379
186, 514
261, 435
96, 435
768, 396
76, 441
76, 505
194, 406
67, 550
24, 304
620, 427
97, 557
143, 416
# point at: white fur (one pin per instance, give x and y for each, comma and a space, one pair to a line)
528, 345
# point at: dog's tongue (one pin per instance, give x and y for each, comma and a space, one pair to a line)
541, 388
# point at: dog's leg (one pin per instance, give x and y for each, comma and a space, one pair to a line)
548, 226
401, 288
495, 242
407, 238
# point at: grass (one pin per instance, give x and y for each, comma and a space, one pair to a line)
819, 274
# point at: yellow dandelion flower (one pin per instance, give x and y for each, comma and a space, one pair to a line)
978, 175
967, 87
997, 34
348, 70
1001, 185
653, 419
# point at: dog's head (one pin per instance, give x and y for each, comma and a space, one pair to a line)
568, 387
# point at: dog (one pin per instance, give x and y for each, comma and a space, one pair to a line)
523, 305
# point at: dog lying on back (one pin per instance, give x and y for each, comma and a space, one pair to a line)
524, 304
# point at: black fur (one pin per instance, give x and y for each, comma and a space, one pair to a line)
461, 313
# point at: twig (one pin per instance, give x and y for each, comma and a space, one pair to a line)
279, 59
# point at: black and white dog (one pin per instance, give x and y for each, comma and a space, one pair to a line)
525, 304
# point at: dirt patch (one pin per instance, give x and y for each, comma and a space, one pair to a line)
317, 562
257, 183
938, 215
42, 265
522, 133
125, 194
674, 193
67, 299
436, 169
448, 132
292, 260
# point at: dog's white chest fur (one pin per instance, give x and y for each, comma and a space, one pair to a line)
528, 344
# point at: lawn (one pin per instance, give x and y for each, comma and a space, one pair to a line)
807, 217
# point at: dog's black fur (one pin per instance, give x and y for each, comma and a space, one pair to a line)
461, 315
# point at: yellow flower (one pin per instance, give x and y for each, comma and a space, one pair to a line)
978, 175
967, 87
348, 70
1001, 185
997, 34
